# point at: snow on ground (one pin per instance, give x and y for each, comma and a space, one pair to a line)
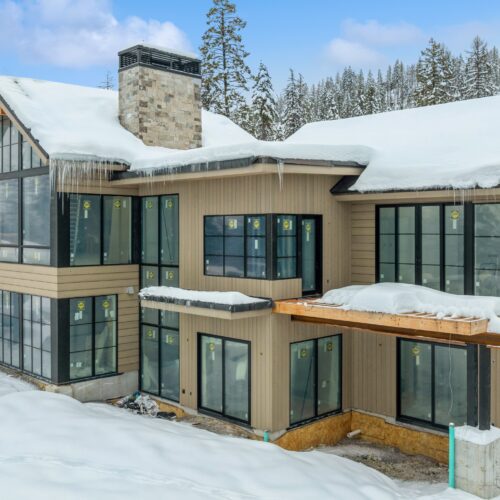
53, 447
225, 298
450, 145
10, 384
400, 298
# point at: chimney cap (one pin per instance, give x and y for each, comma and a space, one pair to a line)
161, 58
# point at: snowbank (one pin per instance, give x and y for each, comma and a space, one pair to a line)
451, 145
54, 447
399, 298
474, 435
223, 298
10, 384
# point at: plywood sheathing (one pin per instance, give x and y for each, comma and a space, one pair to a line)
330, 430
327, 431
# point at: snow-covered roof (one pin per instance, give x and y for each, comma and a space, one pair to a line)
401, 298
71, 121
75, 122
452, 145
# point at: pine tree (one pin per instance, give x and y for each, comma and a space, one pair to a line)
296, 106
224, 71
372, 104
108, 83
263, 105
329, 98
434, 75
381, 92
479, 77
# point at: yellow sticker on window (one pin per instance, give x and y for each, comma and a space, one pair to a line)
455, 215
329, 346
416, 350
117, 204
308, 227
150, 275
80, 306
287, 225
170, 204
150, 334
149, 204
87, 204
170, 275
303, 353
106, 304
211, 346
256, 223
233, 223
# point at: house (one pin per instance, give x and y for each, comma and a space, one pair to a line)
104, 194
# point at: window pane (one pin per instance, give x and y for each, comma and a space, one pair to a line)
85, 230
117, 226
329, 356
105, 360
286, 268
406, 249
256, 246
149, 315
36, 211
387, 248
387, 273
105, 308
256, 268
431, 223
105, 334
286, 225
236, 381
149, 362
454, 280
302, 373
80, 338
406, 220
406, 273
431, 277
286, 247
9, 211
234, 246
170, 276
170, 364
431, 249
214, 225
387, 220
169, 319
415, 380
214, 266
233, 225
450, 385
36, 256
80, 364
487, 249
256, 225
149, 276
9, 254
170, 230
149, 252
214, 245
211, 373
234, 266
80, 311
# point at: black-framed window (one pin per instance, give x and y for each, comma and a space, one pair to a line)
236, 246
37, 345
160, 362
25, 333
315, 378
433, 383
93, 336
10, 348
286, 246
36, 194
224, 377
9, 220
100, 230
423, 245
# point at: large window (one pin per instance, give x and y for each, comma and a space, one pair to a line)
422, 244
93, 336
433, 383
25, 333
9, 220
37, 336
236, 246
100, 230
36, 213
286, 246
487, 249
160, 266
315, 378
224, 377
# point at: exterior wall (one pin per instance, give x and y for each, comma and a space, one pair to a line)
495, 387
362, 257
161, 107
300, 194
64, 283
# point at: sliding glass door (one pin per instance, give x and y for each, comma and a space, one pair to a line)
224, 377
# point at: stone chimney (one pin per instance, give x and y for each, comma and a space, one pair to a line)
159, 96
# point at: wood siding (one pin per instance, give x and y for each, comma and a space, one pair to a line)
362, 257
64, 283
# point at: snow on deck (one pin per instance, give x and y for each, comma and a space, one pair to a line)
474, 435
222, 298
401, 298
54, 447
452, 145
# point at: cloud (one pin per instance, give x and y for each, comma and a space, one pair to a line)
375, 33
77, 33
348, 53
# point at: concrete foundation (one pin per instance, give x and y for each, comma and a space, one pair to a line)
99, 389
477, 468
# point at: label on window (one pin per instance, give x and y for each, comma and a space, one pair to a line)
233, 223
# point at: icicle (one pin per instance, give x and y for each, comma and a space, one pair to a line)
281, 170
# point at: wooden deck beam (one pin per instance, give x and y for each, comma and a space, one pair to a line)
467, 329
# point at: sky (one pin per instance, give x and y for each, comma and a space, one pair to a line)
77, 41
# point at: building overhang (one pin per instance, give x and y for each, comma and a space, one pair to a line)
209, 309
418, 325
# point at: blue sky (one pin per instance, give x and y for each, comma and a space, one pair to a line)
77, 40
